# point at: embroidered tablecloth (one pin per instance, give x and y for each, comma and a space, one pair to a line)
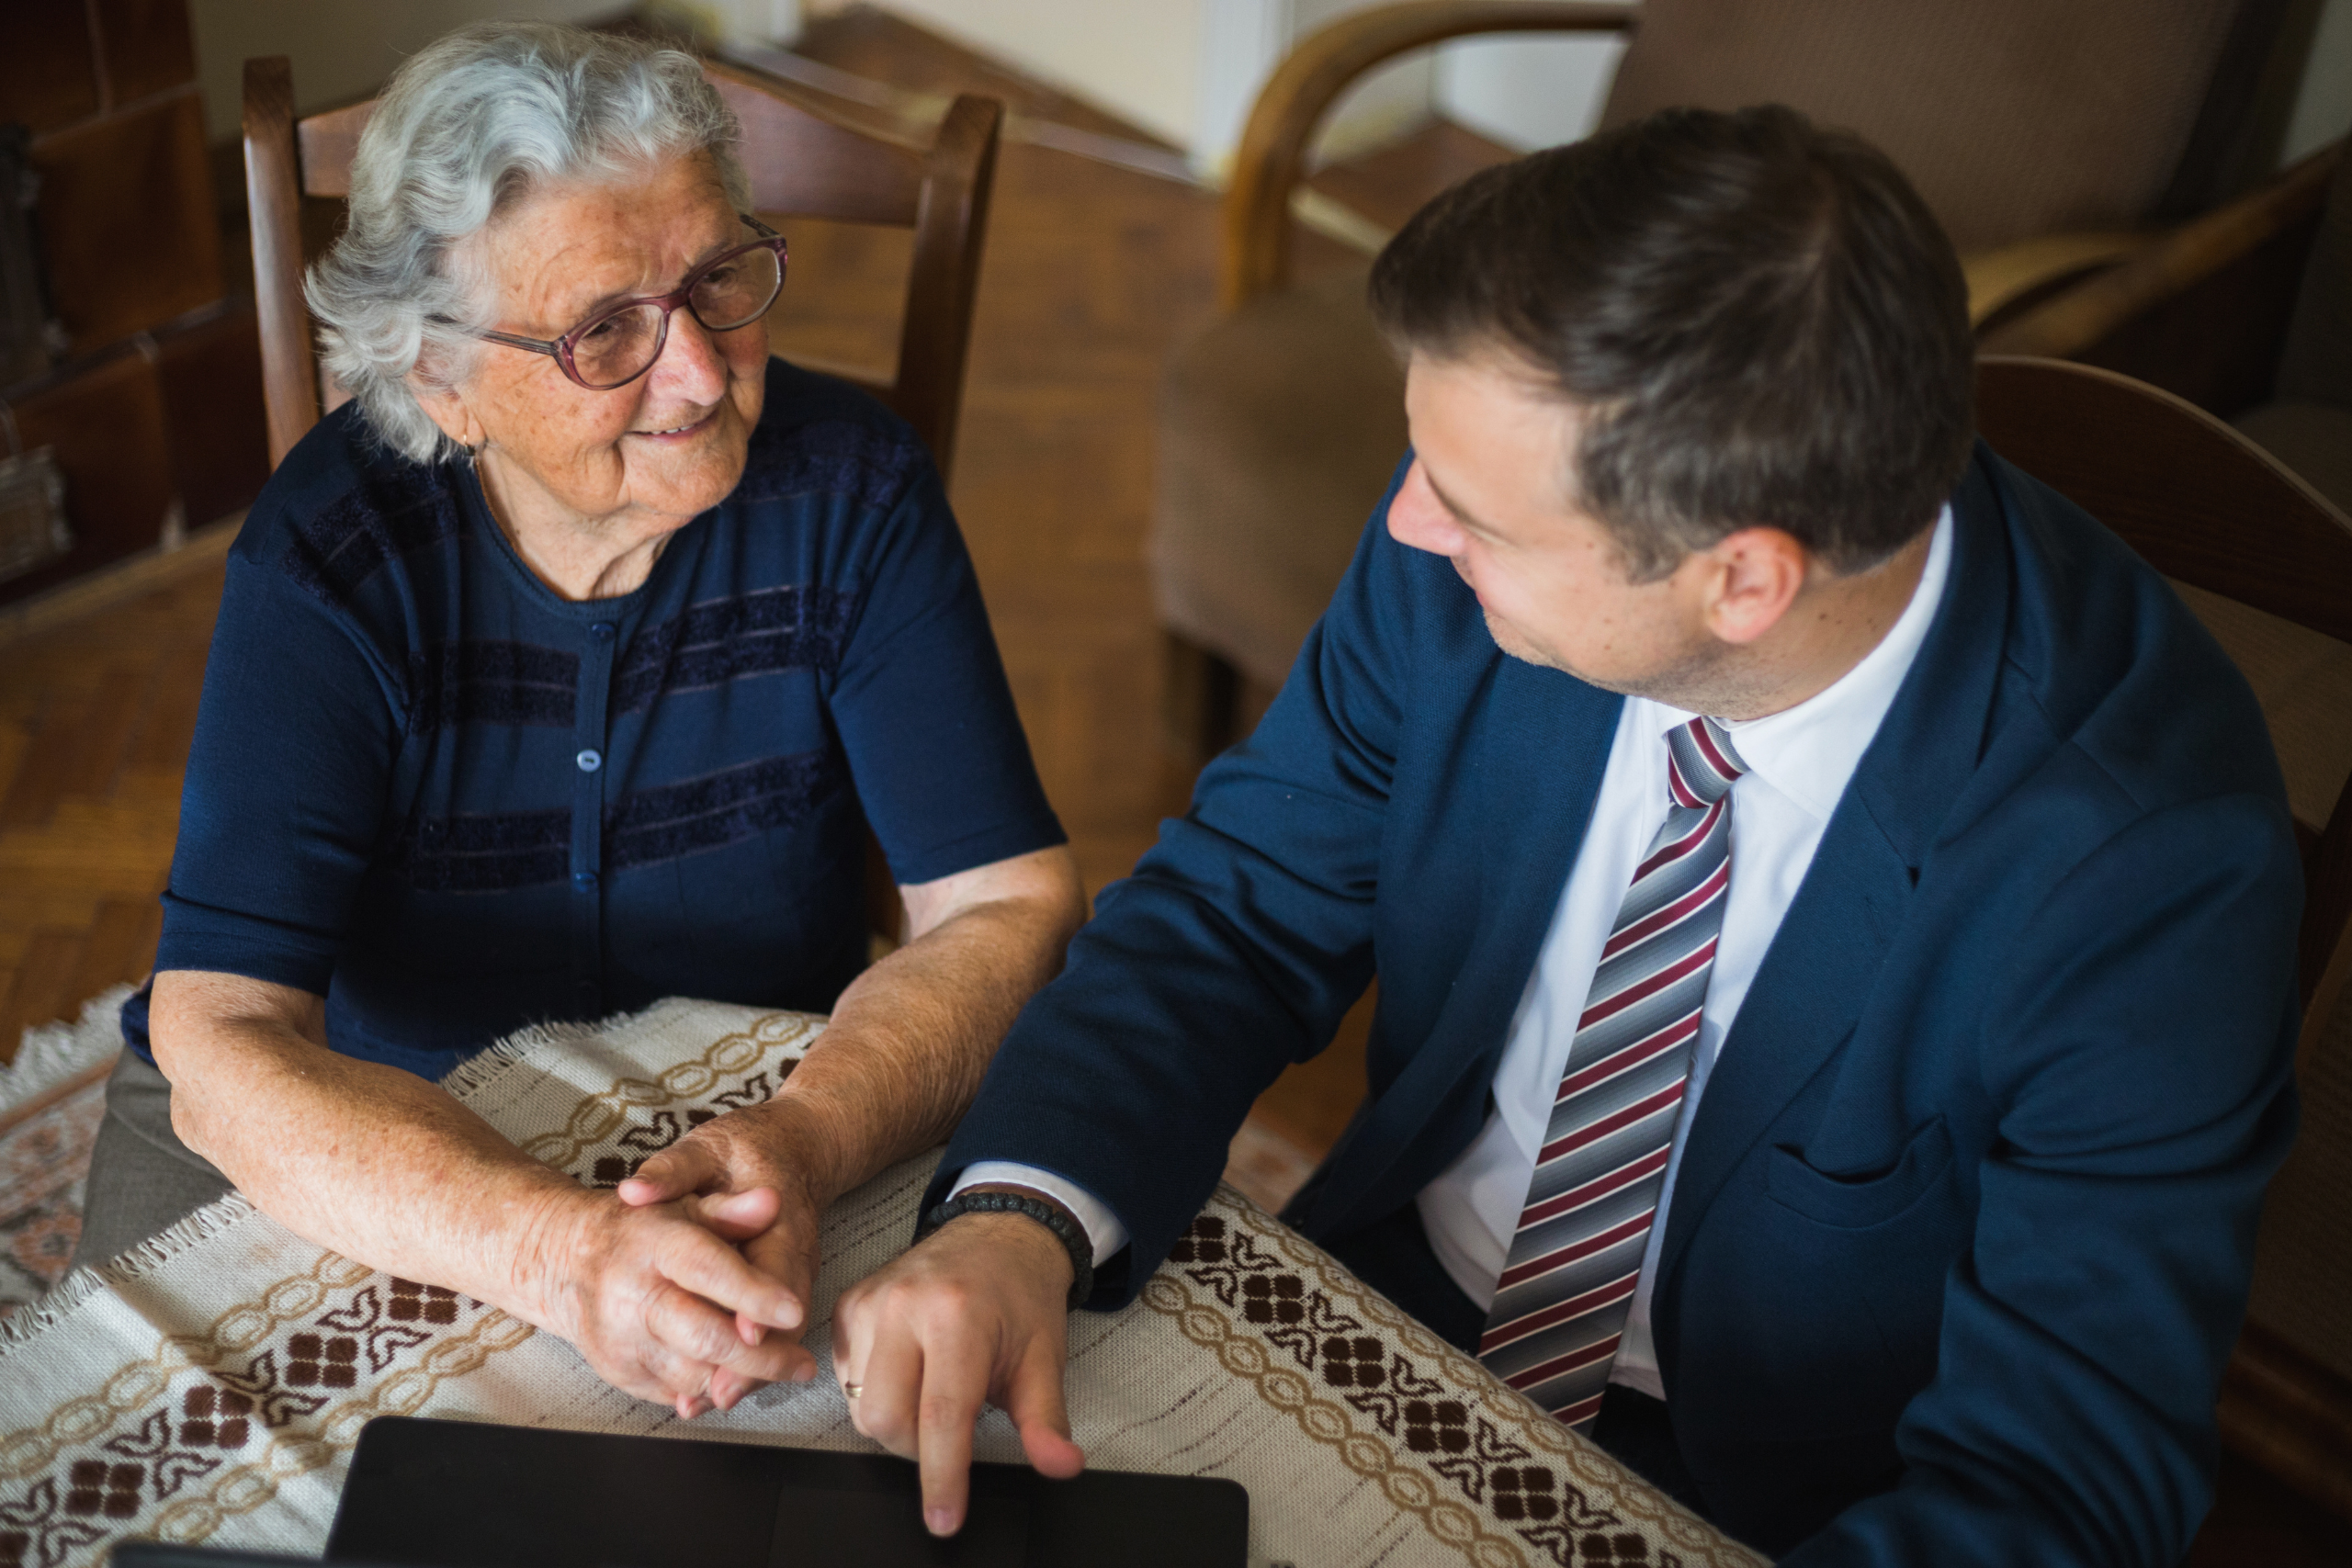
210, 1387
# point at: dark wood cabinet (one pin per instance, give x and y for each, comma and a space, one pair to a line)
151, 402
128, 230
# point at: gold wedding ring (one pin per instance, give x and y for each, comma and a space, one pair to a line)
852, 1389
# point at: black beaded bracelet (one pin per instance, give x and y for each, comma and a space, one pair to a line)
1070, 1234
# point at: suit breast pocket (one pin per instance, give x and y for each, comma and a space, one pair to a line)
1859, 1202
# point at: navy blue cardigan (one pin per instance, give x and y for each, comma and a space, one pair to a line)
453, 803
1964, 1228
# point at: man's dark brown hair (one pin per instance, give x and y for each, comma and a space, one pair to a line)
1760, 319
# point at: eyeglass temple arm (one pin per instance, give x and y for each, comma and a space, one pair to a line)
542, 346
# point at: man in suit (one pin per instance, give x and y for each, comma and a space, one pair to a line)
1833, 905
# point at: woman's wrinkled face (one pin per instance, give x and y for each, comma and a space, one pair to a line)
669, 445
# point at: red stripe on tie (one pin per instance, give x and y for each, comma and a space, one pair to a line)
1600, 1187
1518, 1328
1690, 904
1704, 734
1649, 986
1625, 1230
1577, 1415
1665, 1099
1668, 853
1627, 1059
1560, 1366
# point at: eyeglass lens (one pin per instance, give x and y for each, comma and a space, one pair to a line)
733, 294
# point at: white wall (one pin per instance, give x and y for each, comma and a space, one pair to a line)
1138, 58
344, 49
1186, 71
2323, 107
1527, 92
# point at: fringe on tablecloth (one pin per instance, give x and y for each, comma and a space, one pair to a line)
52, 1052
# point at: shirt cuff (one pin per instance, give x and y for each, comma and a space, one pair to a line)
1101, 1226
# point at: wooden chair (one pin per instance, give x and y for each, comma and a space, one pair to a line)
2245, 312
1281, 421
2266, 561
806, 158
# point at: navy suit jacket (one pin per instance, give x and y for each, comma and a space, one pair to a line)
1964, 1222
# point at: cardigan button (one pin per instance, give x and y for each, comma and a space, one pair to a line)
590, 761
584, 880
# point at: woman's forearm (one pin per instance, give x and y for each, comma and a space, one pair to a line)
912, 1037
364, 1158
390, 1170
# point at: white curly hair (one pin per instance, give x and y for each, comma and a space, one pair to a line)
472, 125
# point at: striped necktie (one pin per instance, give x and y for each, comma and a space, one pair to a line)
1568, 1282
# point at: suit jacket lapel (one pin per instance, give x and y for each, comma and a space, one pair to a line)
1540, 746
1818, 971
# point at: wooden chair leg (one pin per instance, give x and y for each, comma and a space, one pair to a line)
1196, 701
2292, 1417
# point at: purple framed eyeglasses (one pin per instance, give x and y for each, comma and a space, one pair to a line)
616, 346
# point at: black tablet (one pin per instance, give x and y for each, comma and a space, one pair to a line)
469, 1495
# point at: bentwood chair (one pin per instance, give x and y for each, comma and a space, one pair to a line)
807, 157
2266, 561
2246, 312
2051, 137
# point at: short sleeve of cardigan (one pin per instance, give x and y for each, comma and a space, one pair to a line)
925, 714
286, 786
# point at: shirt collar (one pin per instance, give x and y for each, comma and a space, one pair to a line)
1808, 752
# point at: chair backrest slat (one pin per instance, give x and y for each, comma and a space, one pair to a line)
808, 166
2198, 501
2203, 504
326, 143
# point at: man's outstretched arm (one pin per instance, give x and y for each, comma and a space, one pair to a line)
977, 1313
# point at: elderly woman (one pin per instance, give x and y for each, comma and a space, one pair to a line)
558, 673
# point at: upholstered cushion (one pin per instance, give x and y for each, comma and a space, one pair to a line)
2317, 365
1279, 429
2313, 439
2302, 1265
2014, 117
2304, 684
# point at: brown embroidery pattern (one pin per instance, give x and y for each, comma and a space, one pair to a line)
404, 1391
153, 1438
1495, 1462
645, 1139
607, 1118
137, 1386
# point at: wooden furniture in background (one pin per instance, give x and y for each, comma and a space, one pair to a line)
148, 399
808, 157
2209, 508
2246, 312
1283, 421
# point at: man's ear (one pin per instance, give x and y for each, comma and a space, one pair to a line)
1758, 573
450, 409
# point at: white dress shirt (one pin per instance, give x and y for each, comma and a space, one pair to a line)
1799, 761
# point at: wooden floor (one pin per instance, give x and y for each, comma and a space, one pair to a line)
1092, 275
95, 719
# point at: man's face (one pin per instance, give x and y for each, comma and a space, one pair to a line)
1488, 490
